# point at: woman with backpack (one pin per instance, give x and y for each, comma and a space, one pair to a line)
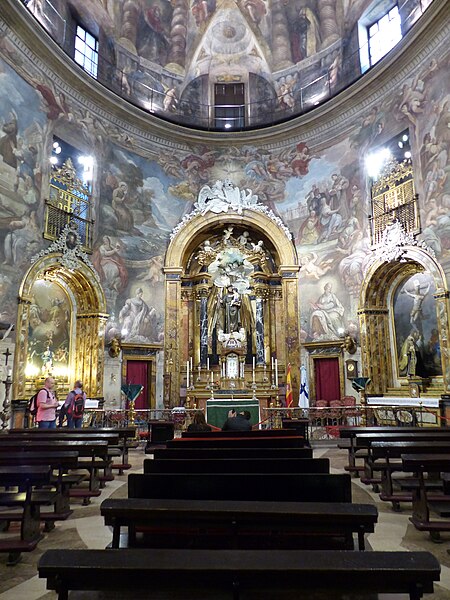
74, 406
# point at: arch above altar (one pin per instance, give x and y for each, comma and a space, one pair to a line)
231, 282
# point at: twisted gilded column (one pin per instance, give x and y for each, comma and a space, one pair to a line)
329, 30
281, 48
178, 33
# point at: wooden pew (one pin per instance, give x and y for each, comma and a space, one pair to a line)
95, 451
126, 439
349, 434
264, 575
60, 461
386, 458
238, 465
276, 487
216, 453
25, 477
254, 433
422, 504
238, 442
207, 523
365, 440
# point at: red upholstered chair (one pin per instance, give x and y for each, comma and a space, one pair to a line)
321, 403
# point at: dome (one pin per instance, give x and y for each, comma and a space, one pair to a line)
223, 64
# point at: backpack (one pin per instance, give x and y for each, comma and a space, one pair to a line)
32, 403
77, 406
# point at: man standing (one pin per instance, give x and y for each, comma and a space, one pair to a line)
46, 405
74, 406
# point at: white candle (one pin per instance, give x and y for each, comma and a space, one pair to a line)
273, 363
207, 363
253, 375
212, 377
187, 373
253, 363
191, 364
9, 371
276, 372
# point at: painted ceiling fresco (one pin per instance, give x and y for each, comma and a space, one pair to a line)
166, 55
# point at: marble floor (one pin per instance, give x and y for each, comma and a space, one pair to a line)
85, 529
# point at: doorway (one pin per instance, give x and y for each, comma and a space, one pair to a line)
327, 379
229, 105
139, 372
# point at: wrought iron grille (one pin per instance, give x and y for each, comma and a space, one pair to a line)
394, 199
69, 201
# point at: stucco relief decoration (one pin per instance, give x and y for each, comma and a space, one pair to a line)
224, 197
394, 243
69, 246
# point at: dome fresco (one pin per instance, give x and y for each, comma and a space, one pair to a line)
166, 56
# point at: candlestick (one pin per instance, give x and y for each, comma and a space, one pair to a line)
253, 375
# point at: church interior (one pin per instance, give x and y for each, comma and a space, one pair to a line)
211, 206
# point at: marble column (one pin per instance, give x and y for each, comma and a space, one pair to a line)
329, 29
259, 325
178, 32
281, 48
203, 330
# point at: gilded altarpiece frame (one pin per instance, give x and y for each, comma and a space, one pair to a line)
279, 298
375, 315
90, 322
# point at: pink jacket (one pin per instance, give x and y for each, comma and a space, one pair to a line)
47, 404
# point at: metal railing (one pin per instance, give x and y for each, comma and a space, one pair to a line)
326, 74
324, 422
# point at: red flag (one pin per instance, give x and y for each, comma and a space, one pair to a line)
289, 397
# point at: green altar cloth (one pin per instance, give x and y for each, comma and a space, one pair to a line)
217, 410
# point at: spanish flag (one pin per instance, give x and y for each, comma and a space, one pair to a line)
288, 387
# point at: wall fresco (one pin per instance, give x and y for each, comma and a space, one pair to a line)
142, 189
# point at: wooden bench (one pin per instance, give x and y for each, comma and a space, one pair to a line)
25, 477
386, 458
276, 487
422, 504
216, 453
264, 575
365, 440
349, 434
238, 465
96, 451
254, 433
238, 442
206, 523
126, 439
60, 461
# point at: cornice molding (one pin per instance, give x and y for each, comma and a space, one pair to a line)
323, 125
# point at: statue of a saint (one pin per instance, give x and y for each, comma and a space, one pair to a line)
231, 304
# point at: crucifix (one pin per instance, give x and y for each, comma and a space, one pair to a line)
7, 354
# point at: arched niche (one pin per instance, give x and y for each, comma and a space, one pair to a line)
282, 302
88, 316
376, 315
